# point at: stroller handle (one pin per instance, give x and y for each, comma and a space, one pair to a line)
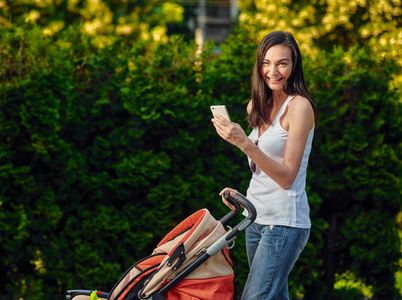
233, 213
239, 201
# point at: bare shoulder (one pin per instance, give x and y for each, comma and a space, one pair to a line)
300, 105
300, 109
300, 102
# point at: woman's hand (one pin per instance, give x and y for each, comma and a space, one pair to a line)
229, 131
232, 193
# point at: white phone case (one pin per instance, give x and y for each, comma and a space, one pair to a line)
220, 110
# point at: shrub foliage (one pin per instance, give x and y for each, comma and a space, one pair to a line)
104, 150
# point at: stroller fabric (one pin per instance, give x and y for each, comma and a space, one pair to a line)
213, 279
214, 276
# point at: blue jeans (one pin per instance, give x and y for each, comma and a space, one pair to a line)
272, 251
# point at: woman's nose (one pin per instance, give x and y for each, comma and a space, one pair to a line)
273, 70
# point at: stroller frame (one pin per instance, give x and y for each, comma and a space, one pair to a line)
204, 254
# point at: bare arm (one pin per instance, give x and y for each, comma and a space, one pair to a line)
299, 120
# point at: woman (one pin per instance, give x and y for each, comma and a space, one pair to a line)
283, 117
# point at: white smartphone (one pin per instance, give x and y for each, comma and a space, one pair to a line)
220, 110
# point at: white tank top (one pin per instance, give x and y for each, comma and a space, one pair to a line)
274, 205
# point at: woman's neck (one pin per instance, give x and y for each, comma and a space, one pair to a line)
278, 98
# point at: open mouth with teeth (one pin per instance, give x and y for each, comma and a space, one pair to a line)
275, 80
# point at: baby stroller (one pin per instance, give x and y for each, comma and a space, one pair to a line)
191, 262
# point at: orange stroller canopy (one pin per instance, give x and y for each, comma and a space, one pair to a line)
211, 280
191, 262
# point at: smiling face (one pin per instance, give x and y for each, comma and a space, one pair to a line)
277, 66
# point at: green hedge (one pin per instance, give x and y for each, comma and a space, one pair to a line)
355, 166
105, 150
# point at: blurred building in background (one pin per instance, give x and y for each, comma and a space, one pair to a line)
213, 20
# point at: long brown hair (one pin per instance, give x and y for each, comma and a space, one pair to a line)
261, 93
